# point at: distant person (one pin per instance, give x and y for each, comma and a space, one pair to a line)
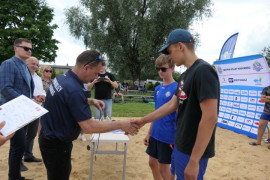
161, 134
103, 91
196, 100
136, 84
16, 80
142, 86
46, 72
69, 113
32, 128
125, 87
265, 117
117, 93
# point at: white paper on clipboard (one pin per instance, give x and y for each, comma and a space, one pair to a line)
18, 113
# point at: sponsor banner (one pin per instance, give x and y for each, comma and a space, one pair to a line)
241, 82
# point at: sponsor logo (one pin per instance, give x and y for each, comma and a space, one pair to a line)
231, 123
252, 93
258, 116
249, 121
224, 121
252, 100
219, 69
254, 130
256, 123
230, 98
242, 113
244, 92
238, 126
236, 98
235, 111
251, 107
243, 106
250, 114
260, 108
226, 91
258, 81
257, 66
237, 92
240, 119
246, 128
244, 99
230, 104
168, 94
236, 105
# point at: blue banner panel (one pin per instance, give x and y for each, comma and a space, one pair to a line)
242, 81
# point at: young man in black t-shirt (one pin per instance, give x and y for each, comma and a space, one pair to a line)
197, 102
103, 91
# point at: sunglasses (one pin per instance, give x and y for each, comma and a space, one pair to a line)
26, 48
50, 71
96, 59
163, 69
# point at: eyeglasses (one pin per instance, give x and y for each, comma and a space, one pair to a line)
46, 70
163, 69
26, 48
96, 59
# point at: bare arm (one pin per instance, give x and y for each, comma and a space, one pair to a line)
91, 84
94, 126
205, 131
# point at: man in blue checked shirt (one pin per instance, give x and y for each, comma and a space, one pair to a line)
16, 80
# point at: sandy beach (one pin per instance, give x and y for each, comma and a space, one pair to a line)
235, 160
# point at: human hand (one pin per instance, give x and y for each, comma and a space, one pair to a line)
192, 170
40, 98
139, 122
3, 139
100, 105
129, 128
146, 140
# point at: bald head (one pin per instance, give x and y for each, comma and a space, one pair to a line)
32, 64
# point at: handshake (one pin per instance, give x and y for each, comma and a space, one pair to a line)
132, 126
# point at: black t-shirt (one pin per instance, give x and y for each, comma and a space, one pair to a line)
124, 85
199, 82
103, 89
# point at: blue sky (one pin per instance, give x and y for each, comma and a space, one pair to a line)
251, 18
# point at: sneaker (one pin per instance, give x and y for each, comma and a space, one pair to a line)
83, 138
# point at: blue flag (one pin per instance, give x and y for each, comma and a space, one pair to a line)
228, 48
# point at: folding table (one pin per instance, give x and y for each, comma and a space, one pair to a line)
116, 137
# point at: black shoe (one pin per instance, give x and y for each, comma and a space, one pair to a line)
23, 167
32, 159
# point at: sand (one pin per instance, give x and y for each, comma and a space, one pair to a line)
235, 160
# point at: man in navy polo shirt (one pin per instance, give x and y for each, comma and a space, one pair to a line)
69, 112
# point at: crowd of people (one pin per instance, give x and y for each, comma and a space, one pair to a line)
180, 140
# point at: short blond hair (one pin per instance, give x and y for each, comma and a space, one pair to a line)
164, 59
42, 68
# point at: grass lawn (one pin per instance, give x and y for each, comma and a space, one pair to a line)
130, 109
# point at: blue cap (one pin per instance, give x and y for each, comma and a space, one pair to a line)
177, 35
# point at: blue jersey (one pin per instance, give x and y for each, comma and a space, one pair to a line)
67, 105
164, 129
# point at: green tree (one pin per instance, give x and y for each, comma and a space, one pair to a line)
29, 19
266, 53
130, 33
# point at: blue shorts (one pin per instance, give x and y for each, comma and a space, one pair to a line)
159, 150
265, 116
180, 161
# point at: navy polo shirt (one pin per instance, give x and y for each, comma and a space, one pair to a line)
67, 105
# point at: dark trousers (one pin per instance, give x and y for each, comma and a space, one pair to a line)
17, 147
31, 132
56, 156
